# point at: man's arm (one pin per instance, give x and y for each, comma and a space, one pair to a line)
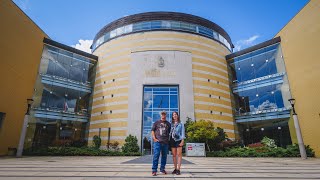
154, 137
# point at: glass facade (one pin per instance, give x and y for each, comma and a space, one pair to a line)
155, 100
61, 99
261, 92
161, 24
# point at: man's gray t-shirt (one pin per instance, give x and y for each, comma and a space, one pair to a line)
161, 131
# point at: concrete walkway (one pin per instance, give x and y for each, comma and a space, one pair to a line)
70, 168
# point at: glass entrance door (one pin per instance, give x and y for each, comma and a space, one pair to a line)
155, 100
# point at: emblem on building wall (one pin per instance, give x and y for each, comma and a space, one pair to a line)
161, 62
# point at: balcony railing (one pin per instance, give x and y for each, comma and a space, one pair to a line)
60, 114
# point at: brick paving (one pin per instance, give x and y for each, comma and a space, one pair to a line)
82, 167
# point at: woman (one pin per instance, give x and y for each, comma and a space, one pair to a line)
177, 136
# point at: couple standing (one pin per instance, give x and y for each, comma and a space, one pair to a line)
163, 135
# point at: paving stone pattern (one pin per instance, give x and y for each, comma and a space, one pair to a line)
72, 168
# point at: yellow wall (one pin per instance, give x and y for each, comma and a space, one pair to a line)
114, 63
20, 49
300, 41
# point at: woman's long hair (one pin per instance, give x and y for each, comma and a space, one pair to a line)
172, 120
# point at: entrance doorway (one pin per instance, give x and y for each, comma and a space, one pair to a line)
155, 100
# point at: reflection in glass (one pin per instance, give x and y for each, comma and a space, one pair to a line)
261, 90
161, 24
155, 100
62, 95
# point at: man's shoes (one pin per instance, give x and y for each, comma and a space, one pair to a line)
174, 171
178, 172
154, 173
163, 172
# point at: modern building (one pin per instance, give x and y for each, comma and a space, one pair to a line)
57, 77
157, 61
20, 48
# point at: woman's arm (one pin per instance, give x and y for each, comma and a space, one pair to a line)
182, 135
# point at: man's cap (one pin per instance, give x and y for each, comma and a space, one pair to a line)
163, 112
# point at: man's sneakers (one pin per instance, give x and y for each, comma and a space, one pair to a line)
163, 172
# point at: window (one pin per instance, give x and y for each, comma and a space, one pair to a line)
206, 31
156, 99
2, 116
155, 24
162, 24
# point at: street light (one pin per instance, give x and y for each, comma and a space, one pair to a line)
298, 131
24, 129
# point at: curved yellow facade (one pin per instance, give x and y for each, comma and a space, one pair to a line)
209, 72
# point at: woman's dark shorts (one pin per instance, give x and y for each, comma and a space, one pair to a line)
174, 144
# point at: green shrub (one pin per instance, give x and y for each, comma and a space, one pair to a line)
96, 141
268, 142
290, 151
78, 143
130, 145
74, 151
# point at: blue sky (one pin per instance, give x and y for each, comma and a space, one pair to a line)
248, 22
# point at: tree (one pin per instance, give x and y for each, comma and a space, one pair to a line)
202, 131
131, 144
187, 124
216, 142
96, 141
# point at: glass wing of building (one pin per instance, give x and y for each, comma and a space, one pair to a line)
62, 98
261, 91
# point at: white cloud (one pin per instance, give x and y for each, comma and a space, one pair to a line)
147, 97
84, 45
245, 42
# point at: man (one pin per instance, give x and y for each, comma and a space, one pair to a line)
160, 134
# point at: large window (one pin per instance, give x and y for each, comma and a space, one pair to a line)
63, 64
257, 64
261, 92
155, 100
62, 93
259, 81
161, 24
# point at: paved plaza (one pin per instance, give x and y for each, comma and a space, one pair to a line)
71, 168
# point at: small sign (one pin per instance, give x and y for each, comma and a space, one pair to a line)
161, 62
195, 149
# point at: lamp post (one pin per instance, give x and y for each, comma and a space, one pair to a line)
298, 131
24, 129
